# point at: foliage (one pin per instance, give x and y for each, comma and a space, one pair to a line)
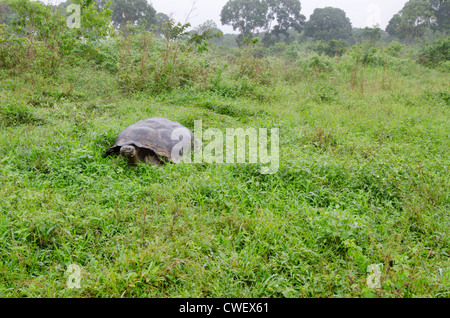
275, 17
208, 26
364, 54
372, 35
123, 12
46, 38
161, 20
417, 16
200, 38
247, 16
286, 14
435, 53
146, 64
5, 13
442, 14
362, 178
332, 47
42, 34
95, 21
251, 66
327, 24
34, 20
395, 48
135, 12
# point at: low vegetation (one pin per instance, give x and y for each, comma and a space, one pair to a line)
362, 179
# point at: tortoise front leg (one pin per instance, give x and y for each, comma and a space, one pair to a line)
152, 159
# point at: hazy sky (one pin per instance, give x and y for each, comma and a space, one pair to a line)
362, 13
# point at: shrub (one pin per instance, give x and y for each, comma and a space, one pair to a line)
365, 55
332, 47
45, 39
147, 63
445, 66
394, 49
319, 64
277, 49
292, 51
251, 66
326, 93
435, 53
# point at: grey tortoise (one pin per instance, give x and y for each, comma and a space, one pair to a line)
150, 141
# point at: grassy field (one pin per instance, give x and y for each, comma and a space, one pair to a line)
362, 180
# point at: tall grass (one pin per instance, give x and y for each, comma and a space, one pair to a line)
363, 175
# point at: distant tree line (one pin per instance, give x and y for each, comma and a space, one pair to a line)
280, 20
128, 13
273, 17
277, 20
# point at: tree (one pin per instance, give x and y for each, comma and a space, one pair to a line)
417, 16
328, 24
202, 34
274, 17
247, 16
287, 15
48, 37
95, 21
371, 34
207, 26
161, 19
394, 26
134, 12
412, 21
442, 14
34, 20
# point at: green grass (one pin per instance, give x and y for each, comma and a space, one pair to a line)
363, 180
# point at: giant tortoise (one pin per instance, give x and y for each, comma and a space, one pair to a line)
155, 141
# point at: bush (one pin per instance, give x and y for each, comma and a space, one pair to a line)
325, 93
435, 53
251, 66
445, 66
366, 54
394, 49
331, 48
38, 38
319, 64
277, 49
149, 63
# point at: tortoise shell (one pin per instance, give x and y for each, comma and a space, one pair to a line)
152, 139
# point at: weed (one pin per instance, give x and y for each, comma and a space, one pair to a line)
362, 179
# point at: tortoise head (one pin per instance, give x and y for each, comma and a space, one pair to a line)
129, 152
